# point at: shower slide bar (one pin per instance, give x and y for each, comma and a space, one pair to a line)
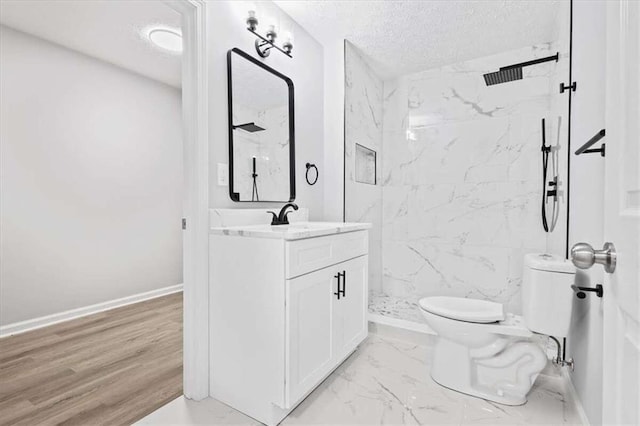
584, 149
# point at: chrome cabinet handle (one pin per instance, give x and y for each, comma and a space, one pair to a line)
584, 256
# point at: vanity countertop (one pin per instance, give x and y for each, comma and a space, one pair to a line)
294, 231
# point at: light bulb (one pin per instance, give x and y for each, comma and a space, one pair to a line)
271, 33
252, 21
287, 46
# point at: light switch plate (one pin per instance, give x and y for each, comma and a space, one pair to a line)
223, 174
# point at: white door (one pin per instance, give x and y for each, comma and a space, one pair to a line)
621, 352
350, 311
309, 344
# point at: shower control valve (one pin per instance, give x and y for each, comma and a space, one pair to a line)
553, 192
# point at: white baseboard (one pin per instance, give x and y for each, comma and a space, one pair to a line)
571, 391
400, 323
32, 324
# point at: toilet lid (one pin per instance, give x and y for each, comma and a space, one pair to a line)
463, 309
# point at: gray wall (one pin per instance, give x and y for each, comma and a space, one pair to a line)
91, 180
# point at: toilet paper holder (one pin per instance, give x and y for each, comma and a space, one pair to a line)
580, 291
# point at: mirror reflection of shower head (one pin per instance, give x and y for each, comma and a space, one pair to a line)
249, 127
513, 72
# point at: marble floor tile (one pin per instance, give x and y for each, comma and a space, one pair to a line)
386, 381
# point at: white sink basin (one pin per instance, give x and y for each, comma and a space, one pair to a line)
294, 231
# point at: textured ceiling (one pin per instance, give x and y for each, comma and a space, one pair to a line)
400, 37
107, 30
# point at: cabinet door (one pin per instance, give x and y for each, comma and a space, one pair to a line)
309, 316
350, 311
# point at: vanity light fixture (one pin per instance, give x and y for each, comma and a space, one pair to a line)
265, 43
166, 38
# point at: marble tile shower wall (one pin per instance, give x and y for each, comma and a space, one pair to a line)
363, 125
461, 178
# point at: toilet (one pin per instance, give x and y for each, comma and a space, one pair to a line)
482, 351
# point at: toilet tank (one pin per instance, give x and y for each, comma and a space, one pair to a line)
547, 296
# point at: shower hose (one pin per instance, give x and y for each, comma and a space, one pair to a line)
546, 150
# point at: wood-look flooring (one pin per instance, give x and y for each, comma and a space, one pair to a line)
111, 368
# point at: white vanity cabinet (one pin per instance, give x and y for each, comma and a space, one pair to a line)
322, 329
286, 308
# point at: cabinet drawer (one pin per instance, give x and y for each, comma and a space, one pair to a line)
308, 255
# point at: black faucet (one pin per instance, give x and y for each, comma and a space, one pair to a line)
282, 219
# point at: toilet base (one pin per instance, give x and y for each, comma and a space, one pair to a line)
505, 400
501, 371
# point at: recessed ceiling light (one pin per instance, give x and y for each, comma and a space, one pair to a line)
167, 39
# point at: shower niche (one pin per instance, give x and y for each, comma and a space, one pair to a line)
261, 131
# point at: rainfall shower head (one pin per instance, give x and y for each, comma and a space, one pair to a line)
503, 76
249, 127
513, 72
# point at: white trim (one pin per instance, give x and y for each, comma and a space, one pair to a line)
35, 323
196, 197
400, 323
570, 390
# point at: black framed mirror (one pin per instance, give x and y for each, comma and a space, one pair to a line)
261, 131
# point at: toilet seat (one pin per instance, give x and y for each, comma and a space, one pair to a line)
450, 310
464, 309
